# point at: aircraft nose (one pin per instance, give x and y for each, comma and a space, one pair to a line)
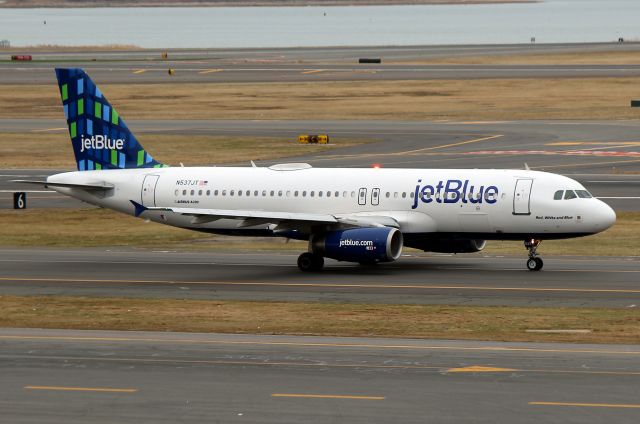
606, 216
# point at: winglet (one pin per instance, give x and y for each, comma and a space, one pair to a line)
139, 208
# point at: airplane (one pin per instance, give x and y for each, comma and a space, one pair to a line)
360, 215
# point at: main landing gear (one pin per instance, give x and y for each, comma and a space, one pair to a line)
309, 262
534, 263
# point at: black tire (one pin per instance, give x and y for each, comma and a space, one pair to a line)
532, 264
539, 264
309, 262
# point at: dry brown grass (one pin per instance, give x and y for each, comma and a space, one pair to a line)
65, 228
331, 319
577, 58
493, 99
53, 149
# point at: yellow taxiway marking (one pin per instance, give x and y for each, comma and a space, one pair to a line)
592, 405
139, 71
296, 395
444, 146
331, 285
314, 71
210, 71
81, 389
480, 368
49, 129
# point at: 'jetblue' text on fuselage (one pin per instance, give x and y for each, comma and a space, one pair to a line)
454, 191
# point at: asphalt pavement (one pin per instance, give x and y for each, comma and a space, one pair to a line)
62, 376
469, 279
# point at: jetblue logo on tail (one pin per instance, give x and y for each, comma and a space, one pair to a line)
100, 142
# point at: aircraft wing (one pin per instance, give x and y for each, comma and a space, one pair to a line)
253, 217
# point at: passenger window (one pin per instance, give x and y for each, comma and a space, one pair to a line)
255, 193
353, 194
231, 193
558, 195
387, 195
208, 192
248, 193
215, 193
304, 194
199, 192
264, 193
569, 194
271, 193
344, 194
404, 194
319, 194
239, 192
336, 194
295, 193
328, 194
395, 194
184, 192
412, 195
583, 194
224, 192
311, 194
280, 193
288, 193
193, 192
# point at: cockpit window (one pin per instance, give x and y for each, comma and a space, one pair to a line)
583, 194
558, 195
569, 194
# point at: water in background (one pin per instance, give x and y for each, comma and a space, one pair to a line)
551, 21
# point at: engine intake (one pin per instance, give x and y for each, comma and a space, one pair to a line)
376, 244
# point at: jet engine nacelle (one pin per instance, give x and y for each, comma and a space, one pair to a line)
453, 246
364, 245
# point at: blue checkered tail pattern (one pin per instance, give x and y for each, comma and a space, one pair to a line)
100, 138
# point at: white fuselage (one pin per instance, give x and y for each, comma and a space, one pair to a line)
493, 204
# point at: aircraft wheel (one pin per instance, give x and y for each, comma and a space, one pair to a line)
308, 262
535, 264
539, 264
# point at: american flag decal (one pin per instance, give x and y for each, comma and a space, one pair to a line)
203, 182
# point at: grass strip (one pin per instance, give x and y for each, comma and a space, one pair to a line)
330, 319
463, 100
67, 228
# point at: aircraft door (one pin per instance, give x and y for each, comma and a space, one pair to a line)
375, 196
522, 197
149, 190
362, 196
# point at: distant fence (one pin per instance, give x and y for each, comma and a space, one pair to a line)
5, 44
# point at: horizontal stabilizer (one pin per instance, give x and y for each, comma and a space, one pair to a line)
99, 185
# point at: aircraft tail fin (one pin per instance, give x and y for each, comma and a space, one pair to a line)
100, 137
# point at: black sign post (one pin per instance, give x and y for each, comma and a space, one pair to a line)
20, 200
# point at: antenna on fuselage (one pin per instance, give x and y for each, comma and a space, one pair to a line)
253, 164
526, 167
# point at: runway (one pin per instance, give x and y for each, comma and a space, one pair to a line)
473, 279
310, 64
602, 155
62, 376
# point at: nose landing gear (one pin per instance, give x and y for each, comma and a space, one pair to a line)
534, 263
